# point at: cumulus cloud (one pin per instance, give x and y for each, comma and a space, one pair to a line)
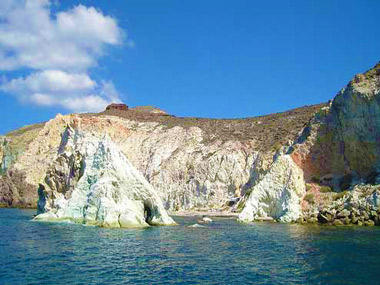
59, 48
52, 81
73, 91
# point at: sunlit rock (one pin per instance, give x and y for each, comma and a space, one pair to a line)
92, 182
277, 194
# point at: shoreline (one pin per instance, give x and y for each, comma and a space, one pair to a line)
203, 213
2, 206
187, 213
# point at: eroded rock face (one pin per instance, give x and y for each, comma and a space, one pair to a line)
277, 194
15, 192
92, 182
197, 164
342, 142
356, 124
186, 172
339, 150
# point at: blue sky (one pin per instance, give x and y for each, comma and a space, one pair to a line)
213, 58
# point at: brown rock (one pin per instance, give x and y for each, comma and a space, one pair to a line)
16, 192
5, 193
120, 107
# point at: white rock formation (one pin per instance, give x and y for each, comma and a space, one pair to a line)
92, 182
207, 220
186, 171
277, 194
196, 226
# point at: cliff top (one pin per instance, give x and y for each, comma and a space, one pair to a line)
367, 82
270, 131
149, 109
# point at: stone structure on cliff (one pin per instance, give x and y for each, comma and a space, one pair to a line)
119, 107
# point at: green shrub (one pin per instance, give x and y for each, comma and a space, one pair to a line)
315, 179
340, 195
309, 198
325, 189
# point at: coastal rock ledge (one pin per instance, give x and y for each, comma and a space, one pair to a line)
92, 182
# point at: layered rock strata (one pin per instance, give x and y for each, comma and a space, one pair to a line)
92, 182
203, 165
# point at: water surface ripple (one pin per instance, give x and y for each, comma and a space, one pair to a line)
224, 252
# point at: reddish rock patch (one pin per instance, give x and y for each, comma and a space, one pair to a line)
120, 107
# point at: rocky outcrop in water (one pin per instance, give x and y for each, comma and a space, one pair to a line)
92, 182
278, 194
360, 206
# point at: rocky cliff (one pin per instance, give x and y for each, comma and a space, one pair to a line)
288, 166
339, 150
92, 182
343, 138
192, 163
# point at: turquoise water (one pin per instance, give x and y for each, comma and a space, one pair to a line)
224, 252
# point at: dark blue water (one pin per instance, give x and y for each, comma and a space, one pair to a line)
224, 252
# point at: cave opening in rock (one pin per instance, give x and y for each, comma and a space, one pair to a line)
147, 213
41, 199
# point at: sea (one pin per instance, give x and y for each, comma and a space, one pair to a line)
223, 252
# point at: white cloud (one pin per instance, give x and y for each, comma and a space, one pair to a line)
108, 90
59, 48
89, 26
44, 99
73, 91
92, 103
72, 40
52, 81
